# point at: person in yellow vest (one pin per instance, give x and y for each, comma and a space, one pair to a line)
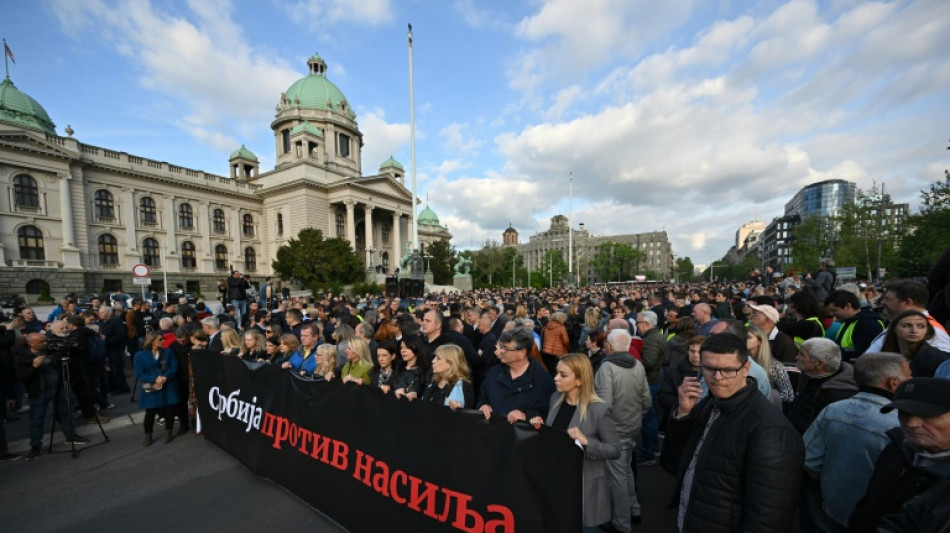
802, 319
859, 325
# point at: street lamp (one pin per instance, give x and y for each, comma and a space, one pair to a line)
426, 256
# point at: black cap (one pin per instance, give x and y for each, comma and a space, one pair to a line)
924, 397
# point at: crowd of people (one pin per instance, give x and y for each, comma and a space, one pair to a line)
769, 399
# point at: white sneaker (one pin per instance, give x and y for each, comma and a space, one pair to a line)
24, 409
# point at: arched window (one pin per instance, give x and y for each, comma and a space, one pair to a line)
385, 232
25, 193
30, 239
280, 223
385, 260
150, 252
339, 224
218, 221
147, 213
108, 251
250, 260
221, 257
186, 217
37, 286
188, 255
248, 225
105, 206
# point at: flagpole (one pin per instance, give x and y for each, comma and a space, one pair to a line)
6, 63
570, 234
412, 149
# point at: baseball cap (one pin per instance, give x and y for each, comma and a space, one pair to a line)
770, 312
924, 397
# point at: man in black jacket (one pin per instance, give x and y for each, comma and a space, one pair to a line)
237, 293
917, 458
113, 332
739, 460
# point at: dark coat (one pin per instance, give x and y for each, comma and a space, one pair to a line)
815, 394
928, 513
783, 348
114, 332
530, 392
925, 363
655, 354
749, 469
667, 397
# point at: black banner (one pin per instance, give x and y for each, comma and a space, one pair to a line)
371, 462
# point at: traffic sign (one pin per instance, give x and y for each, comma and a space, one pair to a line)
142, 281
141, 271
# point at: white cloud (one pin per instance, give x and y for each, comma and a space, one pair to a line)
455, 139
319, 13
381, 139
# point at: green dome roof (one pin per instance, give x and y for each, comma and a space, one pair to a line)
16, 107
428, 218
315, 91
306, 126
243, 152
391, 163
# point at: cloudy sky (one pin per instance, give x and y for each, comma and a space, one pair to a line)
692, 117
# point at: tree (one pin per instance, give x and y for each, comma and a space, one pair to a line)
442, 259
318, 262
603, 262
553, 268
488, 262
617, 261
813, 239
926, 236
515, 272
684, 271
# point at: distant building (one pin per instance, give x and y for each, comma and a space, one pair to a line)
776, 243
656, 246
822, 198
510, 236
749, 228
430, 229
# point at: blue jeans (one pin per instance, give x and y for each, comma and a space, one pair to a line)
38, 415
240, 308
649, 430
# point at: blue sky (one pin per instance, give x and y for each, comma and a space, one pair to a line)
692, 117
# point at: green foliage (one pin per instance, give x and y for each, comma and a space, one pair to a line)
553, 268
442, 262
927, 235
363, 287
617, 261
814, 239
487, 264
321, 264
684, 271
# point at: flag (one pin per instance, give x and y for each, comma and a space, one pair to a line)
8, 52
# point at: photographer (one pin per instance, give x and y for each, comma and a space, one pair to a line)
62, 345
91, 364
41, 371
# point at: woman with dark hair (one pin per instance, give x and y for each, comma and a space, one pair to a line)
678, 339
157, 369
271, 349
386, 369
908, 335
450, 385
595, 348
415, 372
803, 318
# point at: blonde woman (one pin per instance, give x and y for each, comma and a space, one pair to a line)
450, 385
358, 362
576, 409
231, 342
326, 362
591, 324
758, 344
253, 348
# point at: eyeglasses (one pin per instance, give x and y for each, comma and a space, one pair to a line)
723, 372
502, 348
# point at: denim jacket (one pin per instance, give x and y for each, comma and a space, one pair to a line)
841, 447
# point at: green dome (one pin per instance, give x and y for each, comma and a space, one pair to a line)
18, 108
306, 126
315, 91
428, 218
243, 152
391, 163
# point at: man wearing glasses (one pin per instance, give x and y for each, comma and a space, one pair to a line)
520, 388
738, 459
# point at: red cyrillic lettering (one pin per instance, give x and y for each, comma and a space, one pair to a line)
381, 479
267, 428
292, 435
304, 436
392, 485
340, 452
280, 434
506, 522
363, 466
415, 498
321, 448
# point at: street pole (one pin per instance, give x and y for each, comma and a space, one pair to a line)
880, 237
412, 148
165, 272
570, 234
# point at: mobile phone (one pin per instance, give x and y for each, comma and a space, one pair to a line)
699, 374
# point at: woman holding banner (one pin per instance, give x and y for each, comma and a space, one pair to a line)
386, 369
576, 409
415, 371
358, 362
326, 362
450, 385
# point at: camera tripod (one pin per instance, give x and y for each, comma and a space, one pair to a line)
67, 395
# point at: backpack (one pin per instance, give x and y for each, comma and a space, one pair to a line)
96, 350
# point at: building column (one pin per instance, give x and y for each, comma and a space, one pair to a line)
368, 225
71, 255
351, 223
397, 246
129, 194
238, 226
205, 262
171, 225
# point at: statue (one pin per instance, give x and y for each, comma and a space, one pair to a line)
463, 267
406, 256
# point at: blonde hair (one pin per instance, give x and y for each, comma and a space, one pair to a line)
579, 365
559, 316
455, 357
325, 365
230, 339
521, 312
361, 347
592, 317
290, 340
764, 355
258, 341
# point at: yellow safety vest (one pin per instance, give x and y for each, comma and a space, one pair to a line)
799, 341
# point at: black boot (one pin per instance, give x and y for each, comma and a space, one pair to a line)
148, 440
168, 435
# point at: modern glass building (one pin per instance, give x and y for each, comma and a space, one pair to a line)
822, 198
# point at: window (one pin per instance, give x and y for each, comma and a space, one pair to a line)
188, 255
250, 260
30, 239
285, 140
221, 257
248, 225
339, 224
186, 217
105, 206
150, 252
37, 286
343, 145
25, 193
147, 213
108, 251
218, 221
280, 223
385, 231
